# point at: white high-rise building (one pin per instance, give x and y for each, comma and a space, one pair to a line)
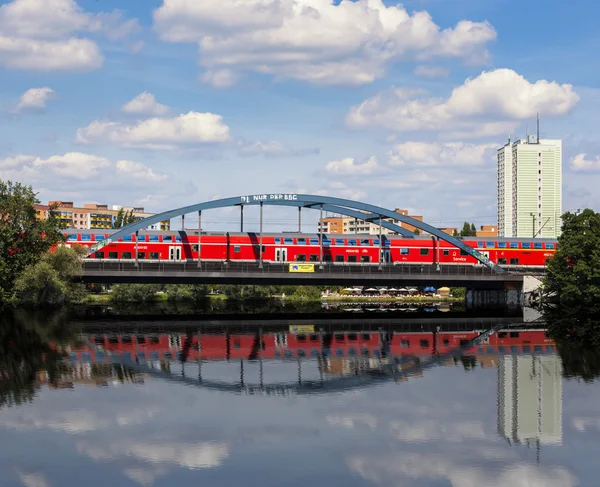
529, 188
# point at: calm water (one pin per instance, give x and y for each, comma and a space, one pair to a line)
394, 405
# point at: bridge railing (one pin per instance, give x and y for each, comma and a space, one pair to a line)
284, 268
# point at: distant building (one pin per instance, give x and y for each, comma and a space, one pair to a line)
530, 399
339, 224
487, 231
92, 216
529, 188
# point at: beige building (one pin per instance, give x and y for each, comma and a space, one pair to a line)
338, 224
92, 216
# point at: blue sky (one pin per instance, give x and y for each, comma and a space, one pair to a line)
361, 99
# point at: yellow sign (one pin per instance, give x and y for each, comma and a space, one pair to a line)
302, 268
302, 328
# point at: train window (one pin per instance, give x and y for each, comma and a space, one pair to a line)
549, 348
339, 337
128, 238
327, 258
154, 256
501, 261
301, 337
366, 242
278, 240
195, 248
501, 334
404, 344
167, 238
365, 258
526, 349
301, 258
424, 343
237, 248
154, 340
538, 245
71, 237
490, 245
501, 245
463, 252
153, 238
141, 255
326, 242
113, 340
514, 349
126, 339
376, 242
313, 258
339, 241
141, 339
288, 241
126, 255
463, 342
514, 334
514, 261
301, 241
257, 248
86, 238
386, 242
339, 258
351, 241
314, 241
550, 246
177, 238
446, 252
423, 251
514, 245
352, 258
526, 245
404, 251
365, 337
99, 255
446, 342
113, 255
481, 245
352, 337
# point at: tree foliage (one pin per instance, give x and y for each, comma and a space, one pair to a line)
23, 238
573, 273
133, 293
124, 218
468, 230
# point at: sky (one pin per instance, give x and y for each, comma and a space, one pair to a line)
167, 103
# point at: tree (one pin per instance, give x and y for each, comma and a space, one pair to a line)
416, 231
468, 230
573, 272
455, 233
133, 293
51, 281
123, 218
23, 238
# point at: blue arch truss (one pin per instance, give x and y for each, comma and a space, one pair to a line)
356, 209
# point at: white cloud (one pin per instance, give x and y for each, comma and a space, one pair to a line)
146, 104
349, 165
41, 35
137, 170
271, 149
318, 41
35, 99
441, 154
579, 163
424, 71
33, 480
190, 129
486, 105
220, 78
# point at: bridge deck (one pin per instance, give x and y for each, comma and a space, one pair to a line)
279, 274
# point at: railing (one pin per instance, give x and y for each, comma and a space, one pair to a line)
281, 268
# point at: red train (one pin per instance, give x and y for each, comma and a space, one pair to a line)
291, 345
337, 249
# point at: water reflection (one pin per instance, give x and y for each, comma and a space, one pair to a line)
295, 404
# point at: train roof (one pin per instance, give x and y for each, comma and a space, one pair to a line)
301, 235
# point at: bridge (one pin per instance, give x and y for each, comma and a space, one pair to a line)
488, 275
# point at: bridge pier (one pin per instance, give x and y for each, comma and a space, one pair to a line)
510, 296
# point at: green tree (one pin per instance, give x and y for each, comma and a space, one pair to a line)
23, 238
133, 293
124, 218
416, 231
573, 273
51, 281
179, 292
468, 230
455, 233
307, 293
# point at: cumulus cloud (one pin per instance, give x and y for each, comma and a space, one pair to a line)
220, 78
189, 129
33, 480
35, 99
486, 105
146, 104
349, 165
424, 71
42, 35
441, 154
271, 149
329, 42
581, 163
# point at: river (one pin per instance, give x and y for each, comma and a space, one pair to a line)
356, 397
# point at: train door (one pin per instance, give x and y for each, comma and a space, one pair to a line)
174, 253
281, 255
386, 256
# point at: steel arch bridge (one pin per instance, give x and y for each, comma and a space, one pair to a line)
356, 209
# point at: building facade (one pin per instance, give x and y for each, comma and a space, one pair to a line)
92, 216
339, 224
530, 188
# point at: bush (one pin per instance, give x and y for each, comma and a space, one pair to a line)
133, 293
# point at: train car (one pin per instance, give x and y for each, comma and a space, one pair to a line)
335, 249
